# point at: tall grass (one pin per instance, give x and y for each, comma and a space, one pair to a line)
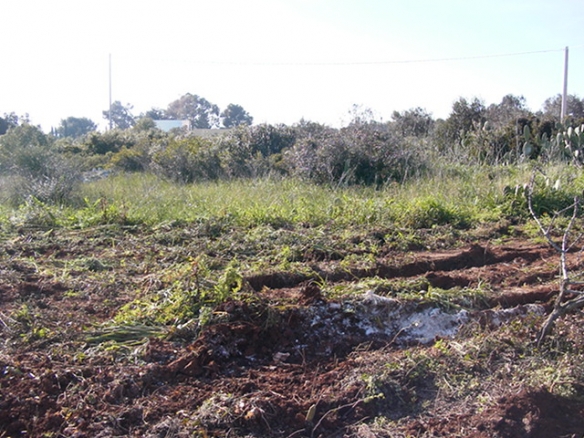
461, 196
150, 200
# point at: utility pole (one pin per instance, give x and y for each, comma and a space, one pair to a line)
110, 92
565, 93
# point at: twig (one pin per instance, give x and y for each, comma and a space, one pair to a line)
2, 316
331, 411
298, 432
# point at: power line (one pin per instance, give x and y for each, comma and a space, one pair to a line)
386, 62
252, 63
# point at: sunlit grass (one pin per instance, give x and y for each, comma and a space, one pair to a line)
147, 199
423, 203
460, 196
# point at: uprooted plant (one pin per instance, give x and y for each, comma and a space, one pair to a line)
569, 298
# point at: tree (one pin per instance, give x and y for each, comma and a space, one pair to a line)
197, 110
155, 114
508, 111
416, 122
464, 118
9, 120
75, 127
144, 124
121, 116
552, 107
3, 126
235, 115
466, 115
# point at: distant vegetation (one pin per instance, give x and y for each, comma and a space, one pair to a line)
412, 146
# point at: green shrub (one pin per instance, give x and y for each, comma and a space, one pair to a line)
368, 153
130, 160
188, 159
109, 141
255, 151
34, 169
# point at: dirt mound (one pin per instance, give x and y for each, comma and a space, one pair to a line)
534, 414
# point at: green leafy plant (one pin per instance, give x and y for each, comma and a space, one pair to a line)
191, 295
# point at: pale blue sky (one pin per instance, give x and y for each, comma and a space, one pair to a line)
284, 60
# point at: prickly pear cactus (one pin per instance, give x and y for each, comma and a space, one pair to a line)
572, 140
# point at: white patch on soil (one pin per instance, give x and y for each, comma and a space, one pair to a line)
403, 323
376, 315
425, 326
385, 316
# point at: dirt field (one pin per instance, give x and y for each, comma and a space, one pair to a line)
294, 361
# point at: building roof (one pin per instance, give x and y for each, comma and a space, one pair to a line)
167, 125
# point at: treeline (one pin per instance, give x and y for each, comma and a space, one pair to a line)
48, 167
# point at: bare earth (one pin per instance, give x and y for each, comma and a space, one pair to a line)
290, 363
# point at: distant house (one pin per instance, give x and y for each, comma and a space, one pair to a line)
167, 125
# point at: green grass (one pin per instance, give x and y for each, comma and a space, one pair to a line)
283, 203
459, 196
147, 199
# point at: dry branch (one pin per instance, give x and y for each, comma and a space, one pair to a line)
561, 306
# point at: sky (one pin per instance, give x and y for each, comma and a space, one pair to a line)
284, 60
